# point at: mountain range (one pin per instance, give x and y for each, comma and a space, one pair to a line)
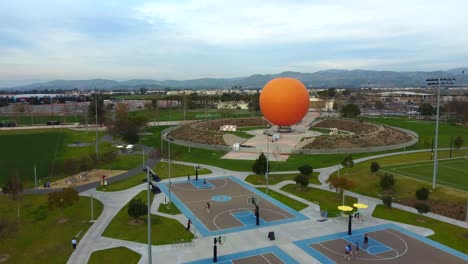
319, 79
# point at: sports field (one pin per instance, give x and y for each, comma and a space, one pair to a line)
451, 173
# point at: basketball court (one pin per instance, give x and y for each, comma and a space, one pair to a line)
387, 244
268, 255
232, 205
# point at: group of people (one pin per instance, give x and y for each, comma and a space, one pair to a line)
349, 248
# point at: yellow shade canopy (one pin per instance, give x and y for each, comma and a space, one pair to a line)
345, 208
360, 205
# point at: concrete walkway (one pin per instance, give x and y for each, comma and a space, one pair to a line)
240, 241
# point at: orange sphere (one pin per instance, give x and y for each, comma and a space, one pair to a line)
284, 101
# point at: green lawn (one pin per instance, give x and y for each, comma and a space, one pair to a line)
447, 234
277, 178
177, 170
114, 255
451, 172
328, 201
169, 209
425, 130
123, 184
47, 149
42, 237
164, 230
367, 183
41, 120
294, 204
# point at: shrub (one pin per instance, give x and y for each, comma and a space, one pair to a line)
387, 200
306, 169
137, 208
422, 193
374, 167
387, 181
302, 180
458, 142
260, 165
422, 208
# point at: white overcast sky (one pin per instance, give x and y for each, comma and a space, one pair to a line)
176, 39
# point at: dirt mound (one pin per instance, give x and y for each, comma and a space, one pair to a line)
365, 135
207, 132
359, 128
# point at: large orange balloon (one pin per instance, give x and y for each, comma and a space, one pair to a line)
284, 101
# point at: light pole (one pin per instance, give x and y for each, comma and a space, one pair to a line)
339, 179
437, 82
148, 181
267, 170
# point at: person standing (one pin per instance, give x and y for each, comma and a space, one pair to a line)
208, 207
74, 243
189, 222
356, 249
366, 241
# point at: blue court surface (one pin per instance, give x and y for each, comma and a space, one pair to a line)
202, 184
234, 208
406, 248
260, 253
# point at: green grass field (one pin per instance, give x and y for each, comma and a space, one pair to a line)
166, 230
43, 235
451, 172
114, 255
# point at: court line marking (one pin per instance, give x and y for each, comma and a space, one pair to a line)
429, 180
378, 258
244, 209
263, 256
174, 185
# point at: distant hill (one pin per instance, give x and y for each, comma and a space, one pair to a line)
326, 78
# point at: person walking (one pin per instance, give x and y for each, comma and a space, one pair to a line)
366, 241
74, 243
189, 222
208, 207
348, 251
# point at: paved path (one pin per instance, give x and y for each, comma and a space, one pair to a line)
240, 241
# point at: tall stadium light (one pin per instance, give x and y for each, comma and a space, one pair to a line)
148, 183
437, 82
267, 158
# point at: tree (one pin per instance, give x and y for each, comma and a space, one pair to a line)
143, 90
374, 167
350, 111
458, 142
306, 170
137, 208
65, 198
348, 162
387, 181
426, 109
254, 103
13, 188
379, 106
302, 180
340, 184
126, 126
422, 208
422, 194
260, 165
387, 200
100, 108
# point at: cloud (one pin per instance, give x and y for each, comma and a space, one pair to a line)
207, 38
